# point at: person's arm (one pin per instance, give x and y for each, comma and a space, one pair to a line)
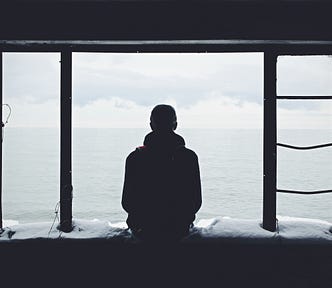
128, 192
197, 189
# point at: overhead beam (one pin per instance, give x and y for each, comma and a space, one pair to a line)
283, 47
166, 20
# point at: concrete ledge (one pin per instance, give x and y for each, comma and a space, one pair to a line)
219, 252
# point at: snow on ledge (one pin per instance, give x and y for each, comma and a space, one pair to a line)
290, 229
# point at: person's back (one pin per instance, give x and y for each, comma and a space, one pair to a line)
162, 190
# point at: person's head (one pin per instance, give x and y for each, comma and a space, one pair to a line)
163, 118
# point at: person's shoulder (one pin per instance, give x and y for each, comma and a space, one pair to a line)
134, 154
141, 148
188, 152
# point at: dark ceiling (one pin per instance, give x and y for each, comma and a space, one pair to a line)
165, 20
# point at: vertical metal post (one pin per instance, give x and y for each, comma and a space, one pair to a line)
270, 141
66, 187
1, 69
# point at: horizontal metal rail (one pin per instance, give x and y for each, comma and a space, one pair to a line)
304, 97
281, 47
304, 147
272, 43
304, 192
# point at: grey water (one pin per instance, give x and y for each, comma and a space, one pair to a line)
230, 164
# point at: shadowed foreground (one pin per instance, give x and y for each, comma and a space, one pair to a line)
100, 262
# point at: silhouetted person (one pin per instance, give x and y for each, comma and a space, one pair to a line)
162, 187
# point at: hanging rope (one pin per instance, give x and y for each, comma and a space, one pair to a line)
3, 124
8, 116
56, 218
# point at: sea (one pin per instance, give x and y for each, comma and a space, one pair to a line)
230, 161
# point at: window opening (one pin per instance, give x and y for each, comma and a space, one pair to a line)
31, 138
304, 133
218, 98
268, 53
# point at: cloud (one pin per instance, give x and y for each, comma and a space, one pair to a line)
223, 90
32, 77
304, 75
320, 118
216, 112
27, 114
111, 113
150, 78
221, 112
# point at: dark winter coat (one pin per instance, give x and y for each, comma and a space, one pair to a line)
162, 188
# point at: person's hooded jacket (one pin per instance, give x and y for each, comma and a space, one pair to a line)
162, 188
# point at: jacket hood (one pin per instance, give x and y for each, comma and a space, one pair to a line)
163, 140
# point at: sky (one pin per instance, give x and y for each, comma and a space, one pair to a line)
208, 90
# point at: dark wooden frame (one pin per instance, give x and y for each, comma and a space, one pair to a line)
271, 50
1, 99
66, 187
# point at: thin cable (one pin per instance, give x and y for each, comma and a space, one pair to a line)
56, 211
277, 226
278, 230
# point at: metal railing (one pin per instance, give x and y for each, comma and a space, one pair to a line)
304, 148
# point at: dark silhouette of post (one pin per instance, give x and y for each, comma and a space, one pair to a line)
270, 143
1, 142
65, 139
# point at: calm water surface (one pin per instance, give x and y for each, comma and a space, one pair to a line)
230, 163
